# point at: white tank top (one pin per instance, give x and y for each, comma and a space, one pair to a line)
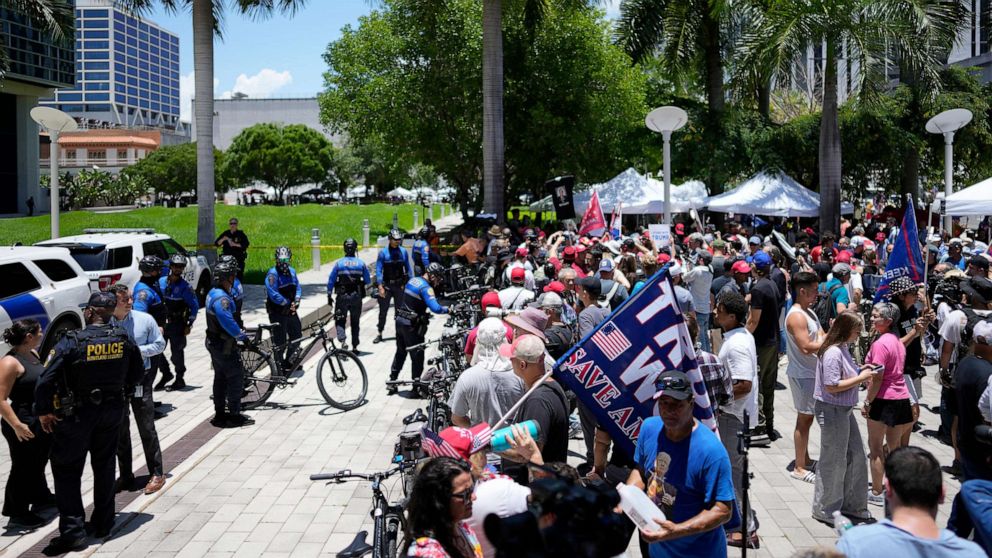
801, 365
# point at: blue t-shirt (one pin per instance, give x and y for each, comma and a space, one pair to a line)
840, 295
886, 539
698, 476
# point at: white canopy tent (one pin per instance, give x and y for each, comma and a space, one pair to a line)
685, 196
357, 192
771, 194
401, 193
974, 200
630, 188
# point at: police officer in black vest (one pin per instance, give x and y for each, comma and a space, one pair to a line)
392, 271
224, 336
347, 280
80, 398
181, 307
412, 319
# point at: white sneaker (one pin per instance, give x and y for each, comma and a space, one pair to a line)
875, 499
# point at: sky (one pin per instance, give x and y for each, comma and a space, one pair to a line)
280, 56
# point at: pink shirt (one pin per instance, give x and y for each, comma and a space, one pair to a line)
470, 340
889, 351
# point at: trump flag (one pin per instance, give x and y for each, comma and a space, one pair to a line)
906, 260
614, 368
593, 221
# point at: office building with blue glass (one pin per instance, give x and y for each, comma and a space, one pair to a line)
127, 69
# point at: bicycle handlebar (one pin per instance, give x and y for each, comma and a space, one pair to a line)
438, 340
346, 474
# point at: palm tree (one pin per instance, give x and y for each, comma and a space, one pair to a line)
54, 17
862, 32
207, 19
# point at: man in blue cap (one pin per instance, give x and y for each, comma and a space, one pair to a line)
762, 322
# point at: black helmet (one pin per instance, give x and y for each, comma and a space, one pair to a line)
225, 268
150, 264
424, 232
435, 269
395, 234
177, 260
350, 247
227, 258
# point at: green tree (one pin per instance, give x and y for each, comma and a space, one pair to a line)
863, 31
280, 156
125, 188
407, 84
207, 22
171, 170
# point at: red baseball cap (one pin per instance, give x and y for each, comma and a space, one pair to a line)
679, 228
522, 251
880, 237
490, 299
517, 274
664, 258
569, 252
554, 287
461, 441
741, 266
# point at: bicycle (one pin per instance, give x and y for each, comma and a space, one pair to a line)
438, 391
337, 369
387, 518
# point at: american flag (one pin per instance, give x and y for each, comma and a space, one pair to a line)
435, 446
482, 440
611, 341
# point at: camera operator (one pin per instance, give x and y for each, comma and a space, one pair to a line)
697, 481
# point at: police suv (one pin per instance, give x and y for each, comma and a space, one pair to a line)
45, 284
110, 256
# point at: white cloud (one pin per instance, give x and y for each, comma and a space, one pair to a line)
186, 96
612, 8
261, 85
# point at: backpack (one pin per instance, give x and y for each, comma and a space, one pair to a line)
824, 307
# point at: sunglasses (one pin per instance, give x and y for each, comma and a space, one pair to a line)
466, 495
674, 384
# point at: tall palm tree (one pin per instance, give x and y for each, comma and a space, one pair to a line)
54, 17
207, 22
864, 33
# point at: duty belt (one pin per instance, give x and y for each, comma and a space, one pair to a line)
407, 314
98, 396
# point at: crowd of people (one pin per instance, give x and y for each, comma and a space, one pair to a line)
754, 300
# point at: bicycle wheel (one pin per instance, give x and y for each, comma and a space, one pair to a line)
342, 380
259, 367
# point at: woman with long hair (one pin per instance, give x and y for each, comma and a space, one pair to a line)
842, 474
27, 489
440, 502
887, 405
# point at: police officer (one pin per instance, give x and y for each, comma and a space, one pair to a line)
347, 280
80, 398
148, 298
392, 271
237, 291
412, 319
422, 251
224, 337
283, 293
181, 307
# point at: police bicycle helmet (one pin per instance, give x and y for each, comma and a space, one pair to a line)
150, 264
424, 232
350, 247
283, 256
395, 234
177, 260
530, 235
226, 267
227, 258
435, 269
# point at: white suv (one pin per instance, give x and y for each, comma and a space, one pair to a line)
45, 284
110, 256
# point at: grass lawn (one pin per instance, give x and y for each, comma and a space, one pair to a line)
266, 227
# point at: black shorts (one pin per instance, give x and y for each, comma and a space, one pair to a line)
891, 412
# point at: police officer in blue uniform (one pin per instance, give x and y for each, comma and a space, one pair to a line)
148, 298
392, 271
224, 337
283, 293
347, 280
422, 251
237, 291
80, 397
412, 319
181, 307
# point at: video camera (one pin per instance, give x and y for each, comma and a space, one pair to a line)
582, 523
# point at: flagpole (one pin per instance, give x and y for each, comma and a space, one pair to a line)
516, 406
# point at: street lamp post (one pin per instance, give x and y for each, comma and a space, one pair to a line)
947, 123
54, 122
665, 120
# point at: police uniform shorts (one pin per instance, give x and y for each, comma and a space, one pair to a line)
891, 412
802, 394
